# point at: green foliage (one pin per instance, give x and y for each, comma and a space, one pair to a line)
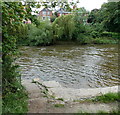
40, 34
104, 40
13, 14
95, 34
22, 34
108, 17
59, 105
63, 27
15, 102
9, 27
110, 13
93, 16
84, 39
60, 99
109, 97
81, 33
81, 15
52, 19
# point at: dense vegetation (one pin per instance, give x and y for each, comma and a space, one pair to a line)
109, 97
97, 27
13, 94
100, 26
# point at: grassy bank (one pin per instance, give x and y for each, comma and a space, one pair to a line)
15, 102
109, 97
106, 98
99, 40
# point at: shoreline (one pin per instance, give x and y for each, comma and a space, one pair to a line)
44, 98
58, 91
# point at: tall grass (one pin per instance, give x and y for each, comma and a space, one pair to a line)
15, 101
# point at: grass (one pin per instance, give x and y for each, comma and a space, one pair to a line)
109, 97
15, 102
60, 99
59, 105
106, 98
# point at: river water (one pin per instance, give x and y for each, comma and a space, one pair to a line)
74, 66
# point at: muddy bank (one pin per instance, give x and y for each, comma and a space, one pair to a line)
51, 97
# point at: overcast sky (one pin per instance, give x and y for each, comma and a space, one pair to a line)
90, 4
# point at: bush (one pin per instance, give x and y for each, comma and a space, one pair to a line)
41, 35
104, 40
22, 34
84, 39
95, 34
106, 34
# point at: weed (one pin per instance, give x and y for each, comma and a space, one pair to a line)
109, 97
60, 99
52, 96
59, 105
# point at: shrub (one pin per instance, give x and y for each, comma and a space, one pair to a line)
106, 34
22, 34
104, 40
41, 35
95, 34
84, 39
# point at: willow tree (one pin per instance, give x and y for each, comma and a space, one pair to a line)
63, 27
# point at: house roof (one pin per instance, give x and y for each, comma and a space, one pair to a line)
62, 10
45, 9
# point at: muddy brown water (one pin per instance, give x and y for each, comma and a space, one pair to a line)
75, 66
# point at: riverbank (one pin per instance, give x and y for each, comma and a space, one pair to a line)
44, 100
15, 101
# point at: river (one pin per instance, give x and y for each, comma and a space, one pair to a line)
74, 66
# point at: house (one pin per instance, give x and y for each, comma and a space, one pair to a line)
45, 13
61, 11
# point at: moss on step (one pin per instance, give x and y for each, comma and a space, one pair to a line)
59, 105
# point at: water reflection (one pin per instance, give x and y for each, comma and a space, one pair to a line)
72, 66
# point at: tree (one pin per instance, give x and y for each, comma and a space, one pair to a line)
92, 18
63, 27
110, 12
80, 17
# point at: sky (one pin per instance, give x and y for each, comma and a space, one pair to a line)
91, 4
88, 4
